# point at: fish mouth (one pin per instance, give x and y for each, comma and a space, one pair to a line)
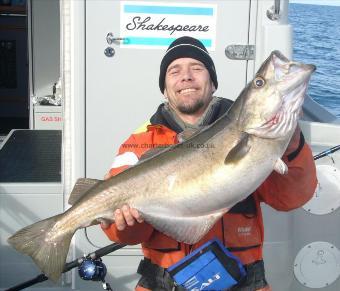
294, 76
290, 74
290, 82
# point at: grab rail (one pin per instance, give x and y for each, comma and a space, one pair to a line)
273, 13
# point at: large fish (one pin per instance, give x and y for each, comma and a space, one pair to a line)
184, 189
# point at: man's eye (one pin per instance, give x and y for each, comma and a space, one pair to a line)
197, 68
173, 72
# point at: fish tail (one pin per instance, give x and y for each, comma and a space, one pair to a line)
47, 246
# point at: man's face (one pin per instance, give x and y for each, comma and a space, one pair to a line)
188, 86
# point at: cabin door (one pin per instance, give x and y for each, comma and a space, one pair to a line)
125, 42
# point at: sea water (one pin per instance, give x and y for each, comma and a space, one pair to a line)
316, 40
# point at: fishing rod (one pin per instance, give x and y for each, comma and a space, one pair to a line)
90, 267
327, 152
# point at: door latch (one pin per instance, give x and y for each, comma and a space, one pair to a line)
240, 52
110, 38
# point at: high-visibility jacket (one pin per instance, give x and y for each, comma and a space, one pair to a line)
240, 230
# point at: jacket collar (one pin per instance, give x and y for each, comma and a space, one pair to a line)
167, 117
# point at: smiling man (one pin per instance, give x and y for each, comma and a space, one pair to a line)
189, 87
188, 81
190, 97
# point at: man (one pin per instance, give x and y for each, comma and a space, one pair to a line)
188, 80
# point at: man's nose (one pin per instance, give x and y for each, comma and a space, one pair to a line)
187, 75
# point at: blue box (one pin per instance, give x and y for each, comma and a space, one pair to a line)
210, 267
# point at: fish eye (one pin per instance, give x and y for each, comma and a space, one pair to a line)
259, 82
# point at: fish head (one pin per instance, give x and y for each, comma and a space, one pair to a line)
271, 103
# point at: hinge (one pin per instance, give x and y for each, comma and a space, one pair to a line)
240, 52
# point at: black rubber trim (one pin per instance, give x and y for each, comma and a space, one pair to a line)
241, 249
294, 154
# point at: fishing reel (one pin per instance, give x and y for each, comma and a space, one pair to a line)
93, 270
90, 267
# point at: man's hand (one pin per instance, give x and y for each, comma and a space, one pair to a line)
124, 217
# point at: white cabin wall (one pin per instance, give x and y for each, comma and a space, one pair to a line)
272, 34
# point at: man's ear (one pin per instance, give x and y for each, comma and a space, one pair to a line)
165, 94
213, 87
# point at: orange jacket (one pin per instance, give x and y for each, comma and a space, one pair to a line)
241, 233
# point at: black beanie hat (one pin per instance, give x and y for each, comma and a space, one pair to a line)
186, 47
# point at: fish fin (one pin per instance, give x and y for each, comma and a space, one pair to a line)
181, 137
188, 133
281, 167
153, 152
80, 188
49, 254
183, 229
240, 149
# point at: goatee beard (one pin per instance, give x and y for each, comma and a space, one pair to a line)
191, 108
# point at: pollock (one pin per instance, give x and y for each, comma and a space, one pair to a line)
184, 189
